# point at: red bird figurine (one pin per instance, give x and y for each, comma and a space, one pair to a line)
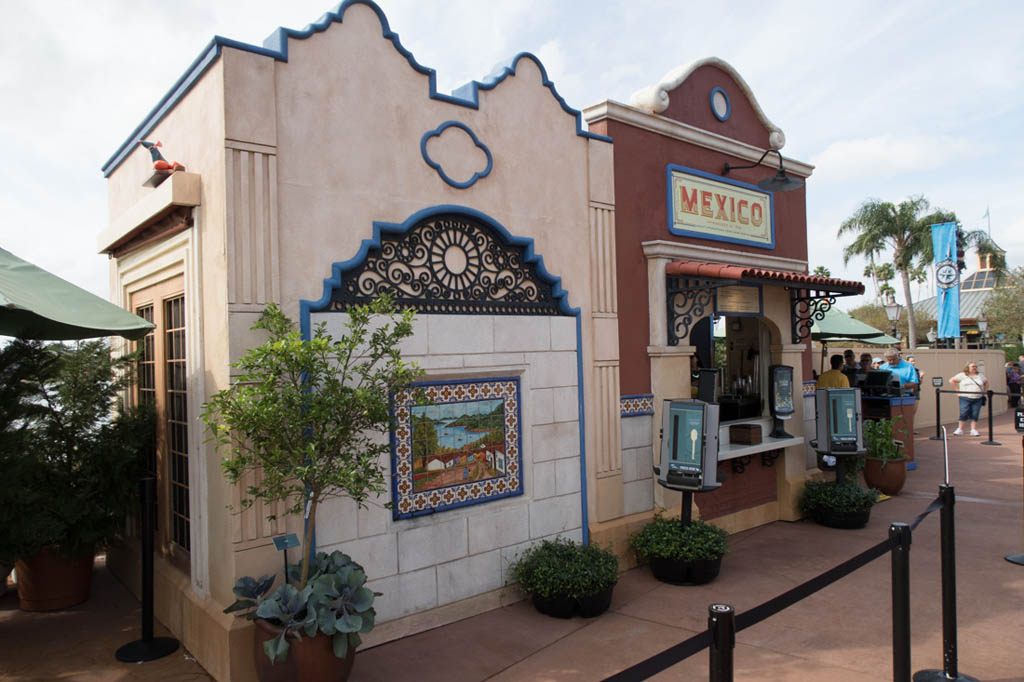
159, 162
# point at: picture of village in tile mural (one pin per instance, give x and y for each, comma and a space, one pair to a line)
456, 443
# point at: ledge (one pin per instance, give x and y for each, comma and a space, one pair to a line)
727, 450
181, 189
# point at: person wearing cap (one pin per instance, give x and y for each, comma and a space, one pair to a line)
900, 368
835, 377
876, 362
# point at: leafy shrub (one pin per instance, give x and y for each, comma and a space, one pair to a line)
878, 439
668, 539
840, 497
562, 567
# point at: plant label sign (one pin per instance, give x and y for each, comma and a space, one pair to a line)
937, 382
283, 542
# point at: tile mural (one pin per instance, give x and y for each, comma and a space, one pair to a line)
459, 446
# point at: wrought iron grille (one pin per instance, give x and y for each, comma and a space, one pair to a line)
689, 301
810, 306
451, 264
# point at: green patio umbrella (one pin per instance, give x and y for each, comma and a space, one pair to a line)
35, 304
838, 327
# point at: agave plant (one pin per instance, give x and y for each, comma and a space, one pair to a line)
335, 601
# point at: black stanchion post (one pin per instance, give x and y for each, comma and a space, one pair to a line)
722, 625
1019, 419
149, 648
990, 440
899, 535
938, 414
949, 637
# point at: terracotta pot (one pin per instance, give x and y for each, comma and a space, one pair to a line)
680, 572
842, 519
309, 658
889, 478
48, 581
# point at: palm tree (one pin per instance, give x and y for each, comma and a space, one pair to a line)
880, 225
822, 271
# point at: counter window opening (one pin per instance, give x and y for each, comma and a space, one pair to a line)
730, 365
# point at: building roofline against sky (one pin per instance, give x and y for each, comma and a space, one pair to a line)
276, 46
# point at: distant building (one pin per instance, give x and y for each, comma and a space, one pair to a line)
975, 289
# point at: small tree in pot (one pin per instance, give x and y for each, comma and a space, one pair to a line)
305, 413
71, 463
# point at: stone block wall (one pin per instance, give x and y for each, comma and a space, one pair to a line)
431, 561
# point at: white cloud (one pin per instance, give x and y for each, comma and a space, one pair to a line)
887, 154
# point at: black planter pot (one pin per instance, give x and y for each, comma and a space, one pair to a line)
842, 519
595, 604
680, 572
558, 606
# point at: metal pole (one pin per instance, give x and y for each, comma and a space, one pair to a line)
938, 414
990, 441
899, 535
949, 637
722, 626
1017, 558
149, 648
686, 511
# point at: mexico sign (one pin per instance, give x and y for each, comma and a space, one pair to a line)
710, 207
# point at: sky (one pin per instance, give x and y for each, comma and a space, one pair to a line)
887, 100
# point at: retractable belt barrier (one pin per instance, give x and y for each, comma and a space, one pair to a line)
988, 402
674, 654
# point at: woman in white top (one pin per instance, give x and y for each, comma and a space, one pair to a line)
972, 386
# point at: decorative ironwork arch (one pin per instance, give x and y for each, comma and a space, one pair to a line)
448, 263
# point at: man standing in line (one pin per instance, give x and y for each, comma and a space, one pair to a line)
834, 378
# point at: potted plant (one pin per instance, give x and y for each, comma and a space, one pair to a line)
681, 555
307, 414
885, 467
839, 504
563, 577
71, 466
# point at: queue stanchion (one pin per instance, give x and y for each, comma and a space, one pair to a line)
991, 440
938, 414
899, 536
149, 648
1019, 423
948, 553
722, 625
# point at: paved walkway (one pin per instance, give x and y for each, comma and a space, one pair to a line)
841, 634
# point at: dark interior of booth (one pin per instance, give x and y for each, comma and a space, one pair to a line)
731, 370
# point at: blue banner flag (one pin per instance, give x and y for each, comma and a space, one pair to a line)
947, 281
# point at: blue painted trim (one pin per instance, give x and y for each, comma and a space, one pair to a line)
728, 104
717, 178
396, 515
584, 516
437, 132
760, 303
306, 307
379, 228
276, 46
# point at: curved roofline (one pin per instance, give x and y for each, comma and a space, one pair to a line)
655, 98
276, 46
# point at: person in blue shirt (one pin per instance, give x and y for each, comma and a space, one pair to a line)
902, 369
